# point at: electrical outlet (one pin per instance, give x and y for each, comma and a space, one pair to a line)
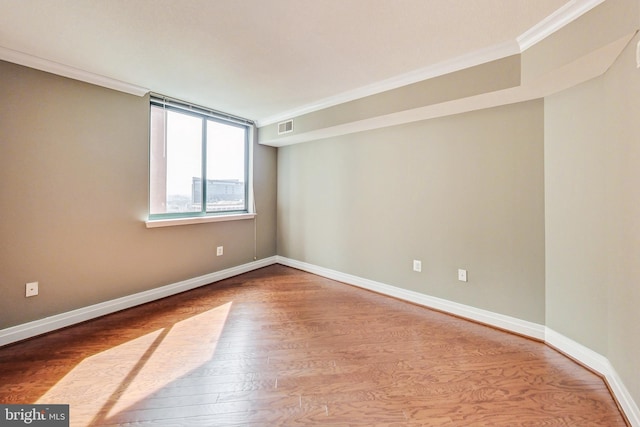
31, 289
462, 275
219, 250
417, 265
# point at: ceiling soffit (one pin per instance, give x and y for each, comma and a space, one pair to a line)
563, 52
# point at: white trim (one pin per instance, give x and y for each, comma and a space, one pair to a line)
585, 355
628, 405
522, 327
478, 57
154, 223
599, 364
560, 18
552, 23
582, 354
70, 72
48, 324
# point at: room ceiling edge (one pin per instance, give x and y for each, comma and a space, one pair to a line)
563, 59
63, 70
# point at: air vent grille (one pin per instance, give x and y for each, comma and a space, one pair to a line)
285, 127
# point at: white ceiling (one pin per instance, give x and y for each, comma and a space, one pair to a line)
261, 58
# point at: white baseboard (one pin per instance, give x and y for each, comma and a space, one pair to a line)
599, 364
582, 354
522, 327
48, 324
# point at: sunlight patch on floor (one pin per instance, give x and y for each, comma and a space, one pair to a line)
88, 387
114, 380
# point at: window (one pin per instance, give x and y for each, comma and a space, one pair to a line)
198, 162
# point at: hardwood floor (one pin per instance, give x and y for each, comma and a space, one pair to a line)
280, 347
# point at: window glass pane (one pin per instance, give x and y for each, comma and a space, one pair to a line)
226, 160
179, 149
198, 163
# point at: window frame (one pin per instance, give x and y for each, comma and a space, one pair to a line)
205, 115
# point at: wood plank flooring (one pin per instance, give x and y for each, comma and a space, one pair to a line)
280, 347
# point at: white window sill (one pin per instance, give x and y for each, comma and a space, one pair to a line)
197, 220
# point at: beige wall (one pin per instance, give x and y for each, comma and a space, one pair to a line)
592, 153
464, 191
623, 114
577, 193
548, 235
73, 173
467, 191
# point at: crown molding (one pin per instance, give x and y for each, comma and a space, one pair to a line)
552, 23
41, 64
461, 62
560, 18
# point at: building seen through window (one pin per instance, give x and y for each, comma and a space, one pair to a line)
189, 148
